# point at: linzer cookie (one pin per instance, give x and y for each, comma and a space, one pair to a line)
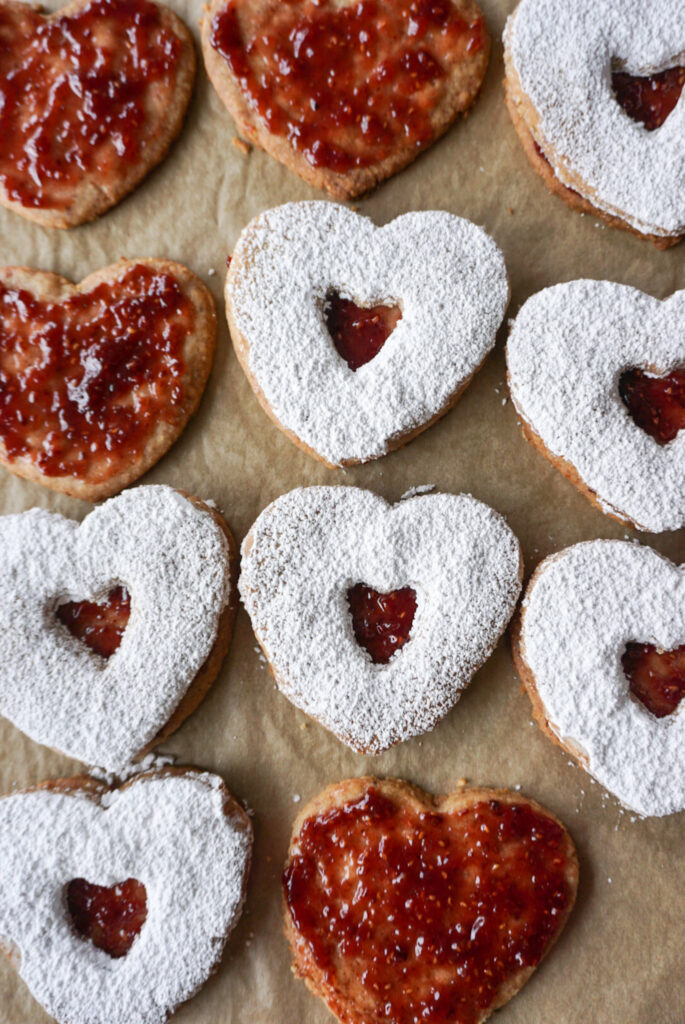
97, 380
594, 90
599, 644
112, 631
356, 338
374, 617
91, 98
345, 93
404, 907
597, 375
115, 905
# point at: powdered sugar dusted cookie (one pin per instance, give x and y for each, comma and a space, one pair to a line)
112, 631
597, 374
115, 905
357, 338
345, 93
373, 617
600, 646
594, 89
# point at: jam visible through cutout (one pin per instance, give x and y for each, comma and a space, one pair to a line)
657, 404
381, 622
649, 99
430, 913
358, 332
657, 678
76, 94
349, 84
100, 626
85, 382
110, 916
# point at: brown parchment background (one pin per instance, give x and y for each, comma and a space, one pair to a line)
620, 960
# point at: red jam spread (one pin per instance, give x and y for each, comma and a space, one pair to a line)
359, 332
99, 626
431, 913
649, 99
84, 382
657, 678
381, 622
76, 95
110, 916
347, 85
657, 404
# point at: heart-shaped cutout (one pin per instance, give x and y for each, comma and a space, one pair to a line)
381, 622
571, 357
455, 555
657, 678
110, 916
176, 558
585, 607
97, 380
446, 276
90, 100
589, 82
99, 624
168, 855
359, 332
405, 908
348, 93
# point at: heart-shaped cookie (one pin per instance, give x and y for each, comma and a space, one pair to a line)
91, 98
591, 614
302, 563
98, 380
345, 93
402, 907
173, 850
594, 90
295, 279
585, 361
176, 559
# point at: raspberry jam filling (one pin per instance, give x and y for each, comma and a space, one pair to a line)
649, 99
76, 94
358, 332
430, 913
85, 382
657, 678
381, 622
656, 404
100, 626
110, 916
349, 84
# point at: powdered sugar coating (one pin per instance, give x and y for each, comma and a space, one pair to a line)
581, 609
567, 350
446, 274
174, 560
311, 545
564, 54
171, 834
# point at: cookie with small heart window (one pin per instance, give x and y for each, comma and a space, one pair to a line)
116, 903
594, 89
374, 617
113, 630
355, 338
401, 906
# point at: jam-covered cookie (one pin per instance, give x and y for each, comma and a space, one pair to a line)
597, 375
594, 90
115, 904
112, 631
402, 907
599, 644
345, 92
91, 98
374, 617
357, 338
98, 380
